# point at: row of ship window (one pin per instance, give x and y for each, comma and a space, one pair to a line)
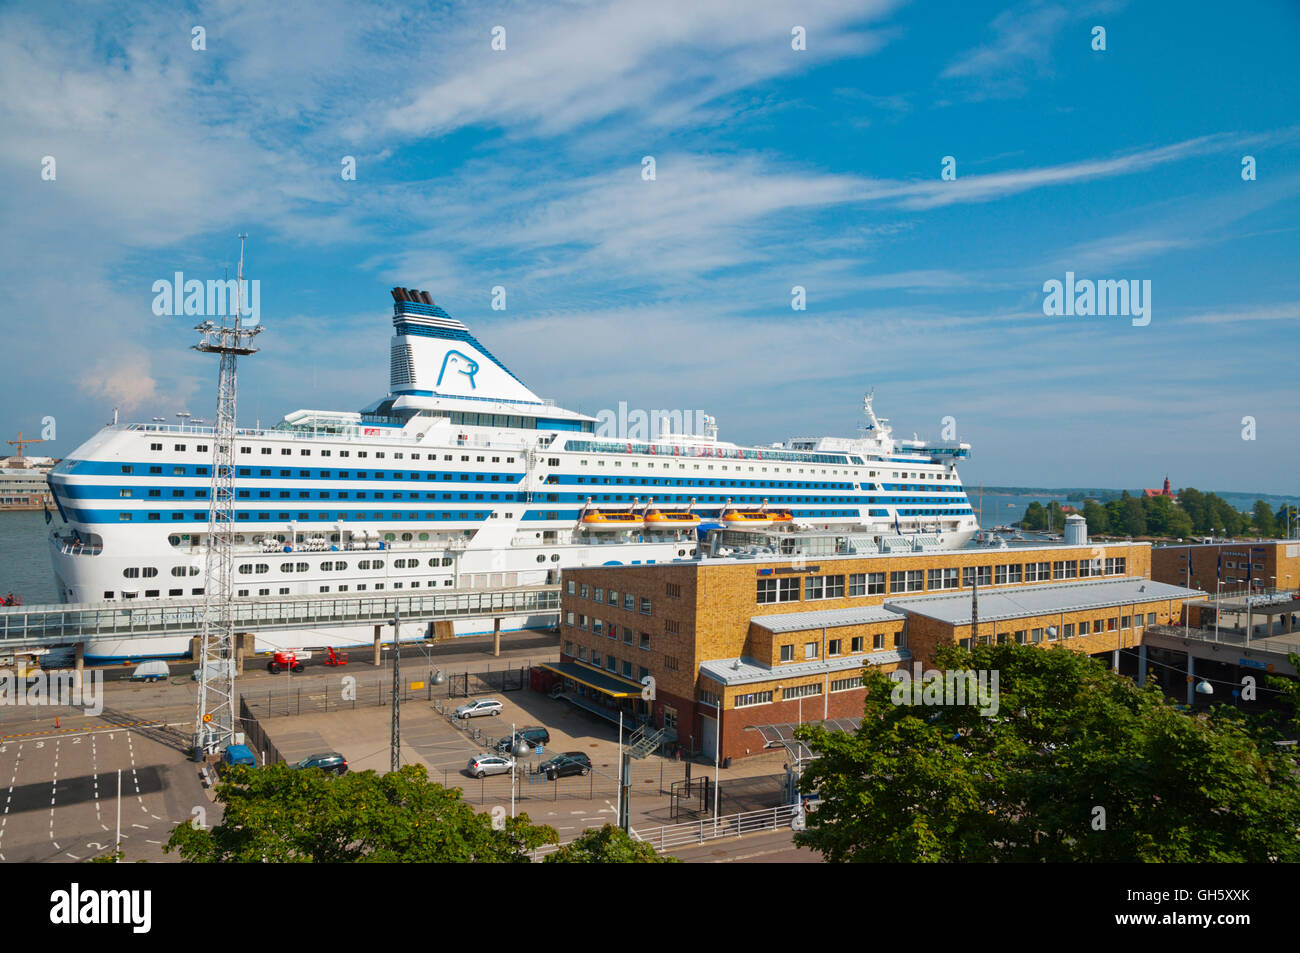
304, 452
284, 590
322, 516
412, 475
246, 569
919, 580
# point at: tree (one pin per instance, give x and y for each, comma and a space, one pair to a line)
281, 815
1076, 764
1194, 504
1135, 519
1262, 517
607, 845
1095, 514
1035, 517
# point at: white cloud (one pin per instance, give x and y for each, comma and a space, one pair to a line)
574, 64
1022, 36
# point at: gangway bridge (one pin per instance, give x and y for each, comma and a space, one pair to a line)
24, 628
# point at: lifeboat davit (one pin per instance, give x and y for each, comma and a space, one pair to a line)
670, 520
611, 521
747, 519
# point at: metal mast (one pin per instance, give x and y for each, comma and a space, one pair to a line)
215, 720
395, 741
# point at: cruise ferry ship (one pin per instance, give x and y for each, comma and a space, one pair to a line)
462, 477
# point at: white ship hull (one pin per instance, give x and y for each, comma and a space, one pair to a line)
466, 480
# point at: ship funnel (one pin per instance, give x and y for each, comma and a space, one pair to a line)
426, 297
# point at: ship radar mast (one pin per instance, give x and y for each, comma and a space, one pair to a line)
874, 424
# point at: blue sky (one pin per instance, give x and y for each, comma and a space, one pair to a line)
774, 168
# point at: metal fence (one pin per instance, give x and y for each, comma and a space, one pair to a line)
256, 737
709, 828
296, 699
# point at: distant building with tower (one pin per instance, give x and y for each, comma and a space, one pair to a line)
1166, 490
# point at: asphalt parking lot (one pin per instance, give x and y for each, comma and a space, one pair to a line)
59, 795
570, 804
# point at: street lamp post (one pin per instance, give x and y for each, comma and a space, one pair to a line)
518, 749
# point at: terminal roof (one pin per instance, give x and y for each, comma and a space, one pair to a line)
826, 618
744, 670
1020, 601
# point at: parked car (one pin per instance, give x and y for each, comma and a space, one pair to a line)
331, 762
484, 706
534, 736
154, 671
238, 754
486, 764
563, 765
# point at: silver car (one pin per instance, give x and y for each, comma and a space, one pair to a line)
486, 764
485, 706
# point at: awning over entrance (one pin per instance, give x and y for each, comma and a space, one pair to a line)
603, 682
782, 736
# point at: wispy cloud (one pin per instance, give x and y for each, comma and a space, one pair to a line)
1022, 37
574, 64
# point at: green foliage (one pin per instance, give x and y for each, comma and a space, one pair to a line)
1095, 515
1035, 517
112, 857
1262, 517
607, 845
944, 784
280, 815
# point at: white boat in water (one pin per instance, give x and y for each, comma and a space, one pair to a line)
460, 477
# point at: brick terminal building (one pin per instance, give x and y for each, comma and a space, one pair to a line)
1230, 567
773, 640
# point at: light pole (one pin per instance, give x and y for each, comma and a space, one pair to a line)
1218, 590
518, 749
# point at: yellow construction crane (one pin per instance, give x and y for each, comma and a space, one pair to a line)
20, 443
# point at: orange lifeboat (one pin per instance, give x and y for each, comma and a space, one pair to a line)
611, 520
670, 520
747, 519
780, 517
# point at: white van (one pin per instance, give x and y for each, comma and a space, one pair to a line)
153, 671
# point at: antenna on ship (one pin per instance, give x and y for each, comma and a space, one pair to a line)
215, 718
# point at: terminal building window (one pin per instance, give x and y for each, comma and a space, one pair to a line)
1005, 575
942, 579
787, 653
1065, 569
910, 580
824, 587
778, 590
754, 698
980, 575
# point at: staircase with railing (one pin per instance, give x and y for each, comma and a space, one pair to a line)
645, 741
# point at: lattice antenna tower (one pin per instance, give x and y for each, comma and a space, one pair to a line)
215, 720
